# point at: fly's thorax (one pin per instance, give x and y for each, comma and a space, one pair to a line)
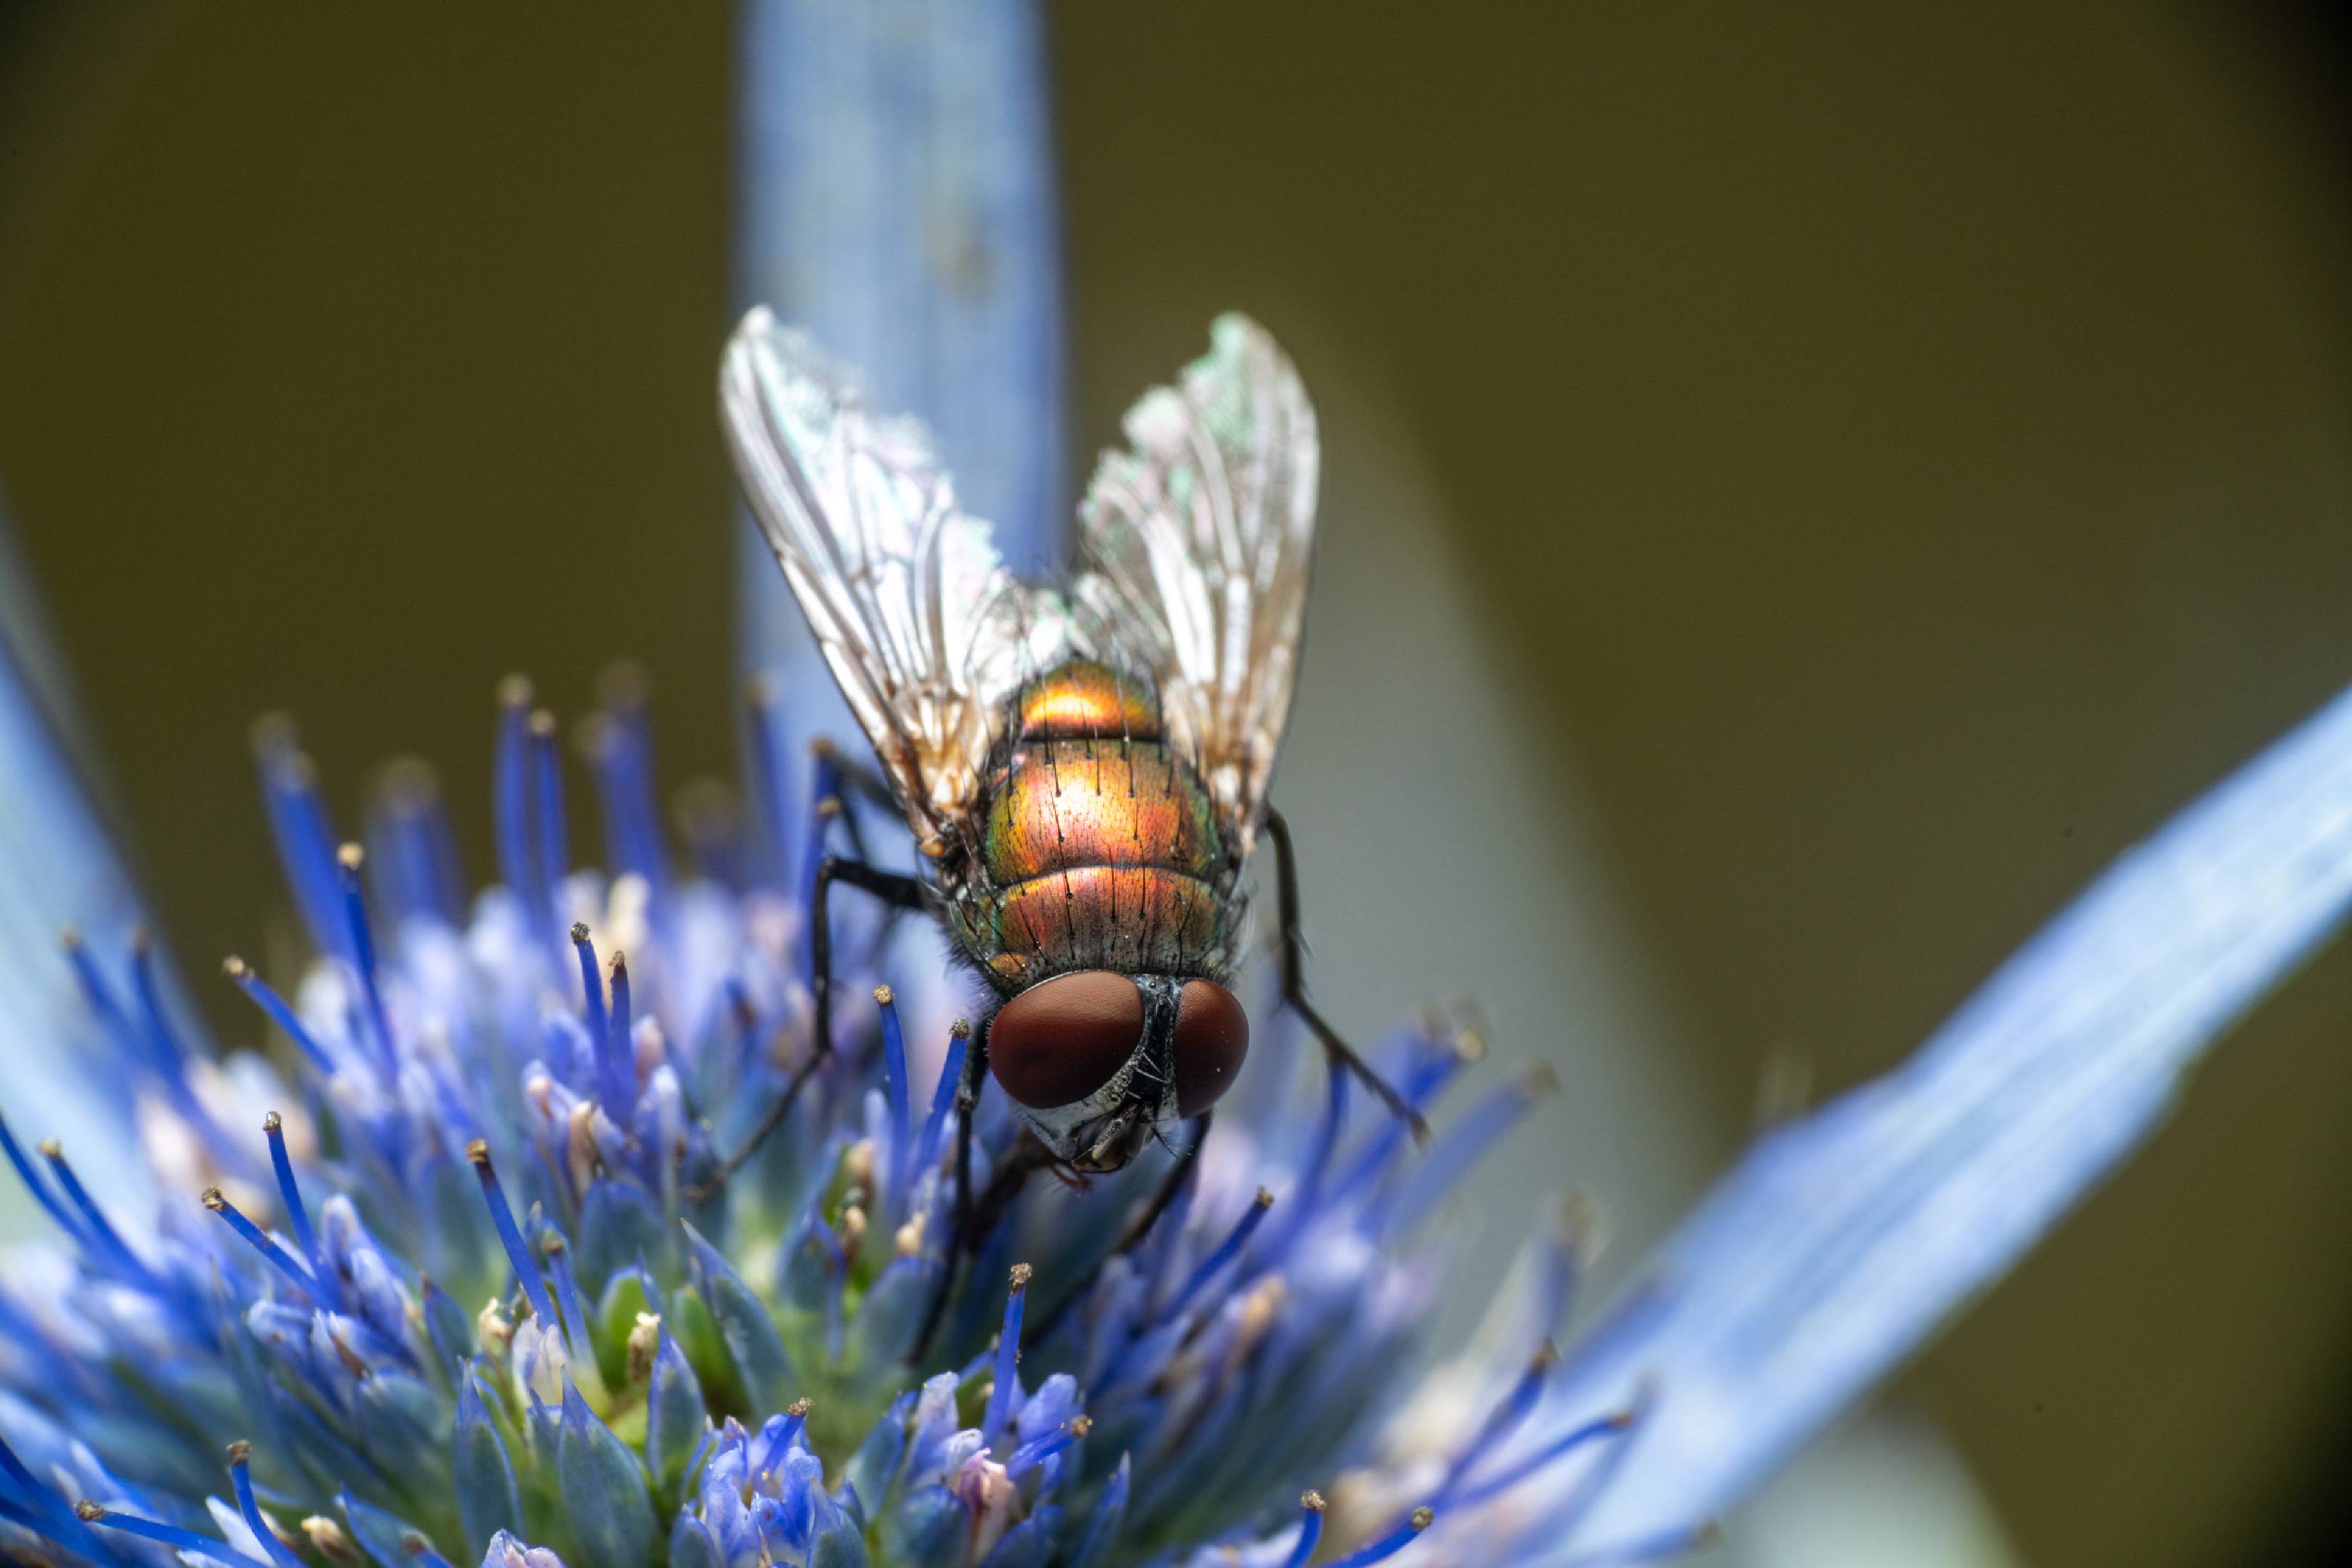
1085, 697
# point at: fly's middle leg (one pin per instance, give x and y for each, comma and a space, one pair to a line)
837, 784
1293, 953
896, 891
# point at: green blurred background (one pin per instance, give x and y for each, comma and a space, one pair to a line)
1894, 461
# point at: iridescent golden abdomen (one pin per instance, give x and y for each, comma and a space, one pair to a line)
1138, 919
1101, 851
1097, 802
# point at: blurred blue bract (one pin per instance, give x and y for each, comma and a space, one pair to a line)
58, 872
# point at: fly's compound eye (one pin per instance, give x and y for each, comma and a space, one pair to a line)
1059, 1042
1212, 1038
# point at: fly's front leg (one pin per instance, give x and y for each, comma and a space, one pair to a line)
1028, 1157
897, 892
1294, 981
968, 1088
1181, 1171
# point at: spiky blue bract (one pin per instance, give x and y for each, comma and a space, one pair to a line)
1844, 1240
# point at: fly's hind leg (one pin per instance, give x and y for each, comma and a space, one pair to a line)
1293, 981
896, 891
839, 780
839, 777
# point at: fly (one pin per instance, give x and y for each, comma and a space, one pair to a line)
1083, 766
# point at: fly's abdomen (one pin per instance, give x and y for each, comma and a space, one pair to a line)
1137, 920
1100, 848
1100, 802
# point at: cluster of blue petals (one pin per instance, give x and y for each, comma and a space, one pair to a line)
443, 1274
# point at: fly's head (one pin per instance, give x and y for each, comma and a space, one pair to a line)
1097, 1059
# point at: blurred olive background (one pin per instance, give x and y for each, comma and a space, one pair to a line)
1898, 459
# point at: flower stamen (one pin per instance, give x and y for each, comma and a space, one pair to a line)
509, 1236
261, 1242
349, 858
297, 1215
94, 1221
1310, 1528
1035, 1452
1006, 1395
263, 1529
1227, 1250
616, 1052
276, 1008
591, 981
33, 1183
894, 1086
1505, 1419
1610, 1426
170, 1535
943, 1096
790, 1427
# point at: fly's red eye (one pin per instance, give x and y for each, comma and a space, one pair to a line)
1061, 1041
1212, 1038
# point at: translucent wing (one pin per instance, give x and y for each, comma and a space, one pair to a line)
921, 624
1197, 543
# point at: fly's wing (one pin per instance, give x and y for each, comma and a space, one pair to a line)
1196, 547
922, 625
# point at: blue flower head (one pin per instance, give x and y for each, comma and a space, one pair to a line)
454, 1279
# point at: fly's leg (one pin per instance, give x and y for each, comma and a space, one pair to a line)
1180, 1171
861, 781
898, 892
837, 779
1163, 1197
837, 773
1029, 1157
1293, 981
975, 1076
